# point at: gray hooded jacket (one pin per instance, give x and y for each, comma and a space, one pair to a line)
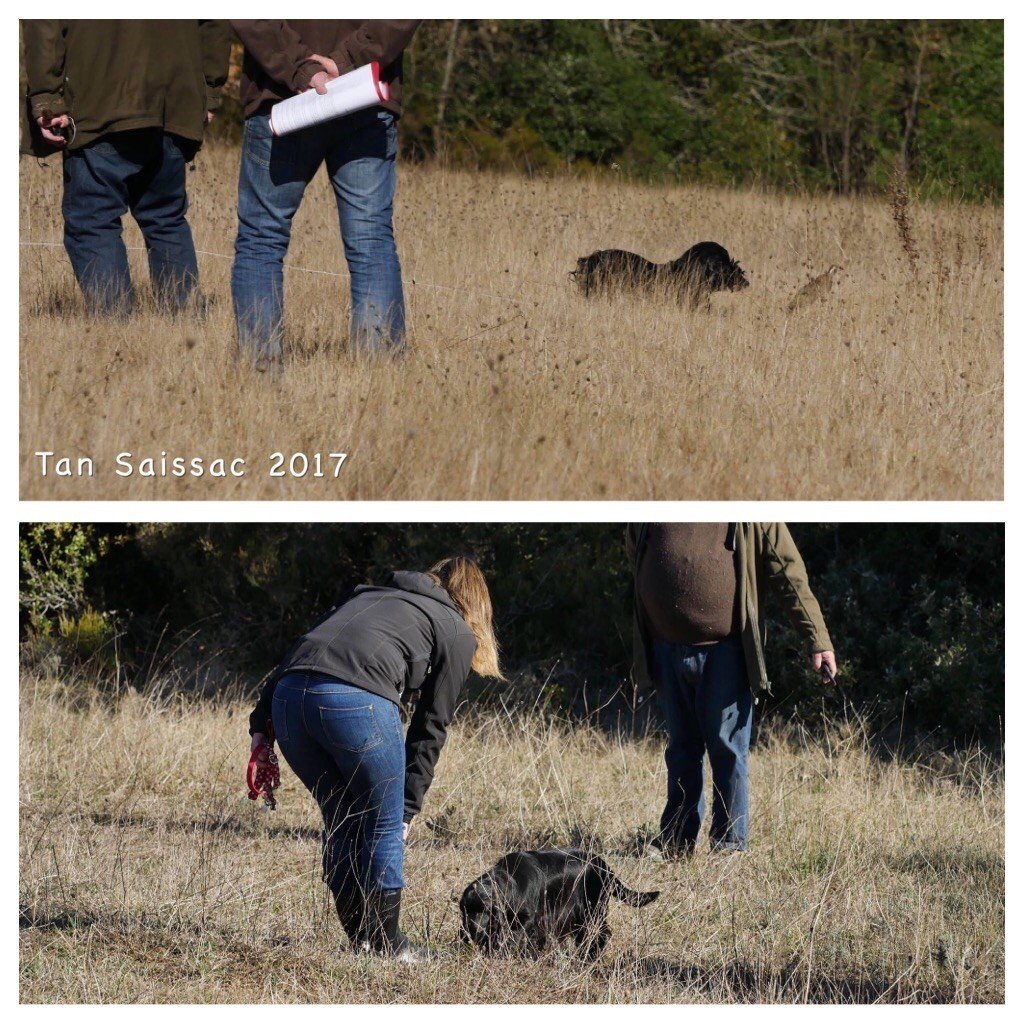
392, 640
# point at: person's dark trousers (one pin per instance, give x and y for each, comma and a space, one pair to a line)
359, 152
141, 172
708, 708
347, 747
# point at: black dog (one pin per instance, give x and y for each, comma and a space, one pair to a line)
536, 895
704, 268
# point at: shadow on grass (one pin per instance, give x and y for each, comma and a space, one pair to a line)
212, 825
747, 982
117, 923
61, 921
143, 936
444, 830
981, 865
56, 304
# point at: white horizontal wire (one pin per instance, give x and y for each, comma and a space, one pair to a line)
301, 270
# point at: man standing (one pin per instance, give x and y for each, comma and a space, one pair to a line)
127, 103
283, 58
698, 638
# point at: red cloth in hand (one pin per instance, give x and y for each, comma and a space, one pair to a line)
263, 775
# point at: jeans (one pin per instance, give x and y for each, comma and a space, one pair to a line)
706, 700
359, 151
348, 749
141, 171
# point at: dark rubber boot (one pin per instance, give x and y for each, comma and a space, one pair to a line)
381, 933
349, 906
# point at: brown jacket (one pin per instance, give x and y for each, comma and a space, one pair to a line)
113, 76
767, 556
278, 55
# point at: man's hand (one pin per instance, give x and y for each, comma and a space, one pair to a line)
328, 64
50, 127
321, 78
319, 83
258, 740
825, 663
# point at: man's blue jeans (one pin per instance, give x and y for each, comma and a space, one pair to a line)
143, 172
347, 747
359, 151
708, 707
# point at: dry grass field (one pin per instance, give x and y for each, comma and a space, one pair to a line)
147, 876
515, 386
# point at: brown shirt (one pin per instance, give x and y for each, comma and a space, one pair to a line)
278, 55
687, 583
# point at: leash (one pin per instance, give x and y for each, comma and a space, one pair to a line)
69, 133
263, 773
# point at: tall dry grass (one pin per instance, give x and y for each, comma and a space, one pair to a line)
146, 875
517, 387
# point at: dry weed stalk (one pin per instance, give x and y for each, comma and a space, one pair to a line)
899, 204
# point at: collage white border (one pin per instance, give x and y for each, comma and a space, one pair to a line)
1010, 511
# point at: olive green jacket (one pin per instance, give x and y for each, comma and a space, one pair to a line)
118, 75
767, 556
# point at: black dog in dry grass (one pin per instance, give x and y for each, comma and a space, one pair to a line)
532, 896
703, 269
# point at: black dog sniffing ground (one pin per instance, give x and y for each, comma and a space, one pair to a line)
532, 896
703, 269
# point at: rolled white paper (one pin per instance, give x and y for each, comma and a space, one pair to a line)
345, 94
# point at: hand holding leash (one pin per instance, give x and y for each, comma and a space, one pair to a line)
58, 129
825, 663
263, 773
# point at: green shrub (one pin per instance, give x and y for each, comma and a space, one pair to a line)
88, 635
55, 559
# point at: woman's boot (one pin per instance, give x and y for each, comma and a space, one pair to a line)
381, 933
349, 906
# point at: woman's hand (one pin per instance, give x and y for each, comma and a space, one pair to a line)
258, 740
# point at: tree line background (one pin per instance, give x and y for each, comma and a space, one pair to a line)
915, 611
810, 104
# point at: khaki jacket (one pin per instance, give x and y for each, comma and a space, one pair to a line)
767, 557
114, 76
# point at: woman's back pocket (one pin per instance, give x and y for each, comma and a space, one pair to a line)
351, 729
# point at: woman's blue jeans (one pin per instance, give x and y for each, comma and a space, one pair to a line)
708, 707
348, 749
359, 151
